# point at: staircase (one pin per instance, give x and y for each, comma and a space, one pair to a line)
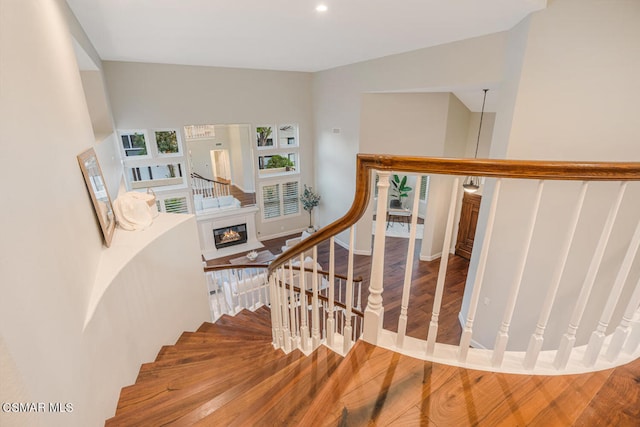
214, 375
229, 374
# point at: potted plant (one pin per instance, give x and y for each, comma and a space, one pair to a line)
309, 201
399, 190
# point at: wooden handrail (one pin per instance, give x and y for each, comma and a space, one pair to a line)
197, 175
356, 279
493, 168
309, 293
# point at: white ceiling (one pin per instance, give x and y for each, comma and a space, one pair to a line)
285, 34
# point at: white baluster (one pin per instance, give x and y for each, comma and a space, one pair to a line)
598, 336
275, 324
634, 336
569, 338
624, 328
408, 269
537, 338
292, 307
442, 272
467, 331
286, 334
304, 308
503, 334
315, 314
374, 312
349, 294
332, 275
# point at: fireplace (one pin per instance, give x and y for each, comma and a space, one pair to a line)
230, 236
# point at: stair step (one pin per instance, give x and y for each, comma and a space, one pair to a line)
261, 316
218, 353
213, 338
180, 398
148, 372
229, 332
282, 386
188, 350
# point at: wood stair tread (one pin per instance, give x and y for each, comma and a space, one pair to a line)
263, 396
229, 374
165, 403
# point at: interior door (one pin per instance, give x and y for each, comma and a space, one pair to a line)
467, 225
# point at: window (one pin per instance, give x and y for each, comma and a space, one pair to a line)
280, 199
278, 152
156, 175
168, 142
290, 198
271, 201
134, 143
173, 203
176, 205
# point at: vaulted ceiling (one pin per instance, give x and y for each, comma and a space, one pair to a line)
285, 34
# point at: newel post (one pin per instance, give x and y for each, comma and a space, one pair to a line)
374, 312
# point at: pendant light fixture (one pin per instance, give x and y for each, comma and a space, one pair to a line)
472, 183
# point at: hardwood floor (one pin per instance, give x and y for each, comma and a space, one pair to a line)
228, 373
376, 387
424, 276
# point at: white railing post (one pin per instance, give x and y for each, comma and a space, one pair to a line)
315, 315
597, 337
373, 314
467, 331
286, 334
536, 340
331, 328
275, 323
568, 340
503, 334
304, 308
623, 330
292, 307
442, 271
346, 332
408, 269
634, 336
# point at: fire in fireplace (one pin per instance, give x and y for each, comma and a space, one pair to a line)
229, 236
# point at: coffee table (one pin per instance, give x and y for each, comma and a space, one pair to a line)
400, 216
264, 257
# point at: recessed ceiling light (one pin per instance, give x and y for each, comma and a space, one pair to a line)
321, 8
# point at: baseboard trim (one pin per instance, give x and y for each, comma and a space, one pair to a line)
431, 257
355, 251
474, 343
284, 233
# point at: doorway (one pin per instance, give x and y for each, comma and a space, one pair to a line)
467, 225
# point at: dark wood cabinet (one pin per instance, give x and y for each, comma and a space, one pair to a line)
467, 225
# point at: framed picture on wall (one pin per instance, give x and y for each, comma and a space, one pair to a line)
134, 144
94, 180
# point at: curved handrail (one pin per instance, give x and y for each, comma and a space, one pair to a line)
197, 175
493, 168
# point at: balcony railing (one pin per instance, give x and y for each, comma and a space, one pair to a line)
558, 239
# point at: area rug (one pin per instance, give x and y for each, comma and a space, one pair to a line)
396, 229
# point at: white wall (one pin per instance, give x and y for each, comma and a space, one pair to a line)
571, 93
153, 96
51, 245
337, 100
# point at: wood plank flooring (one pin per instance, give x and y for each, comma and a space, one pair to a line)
376, 387
424, 276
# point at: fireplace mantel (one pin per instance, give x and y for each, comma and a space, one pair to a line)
211, 220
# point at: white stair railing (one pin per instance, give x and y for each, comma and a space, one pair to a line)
610, 344
233, 288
